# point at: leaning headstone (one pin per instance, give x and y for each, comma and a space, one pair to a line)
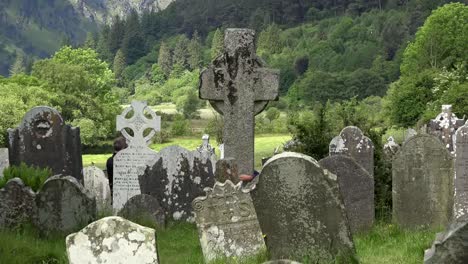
353, 143
444, 126
17, 204
300, 210
461, 174
227, 222
113, 240
422, 183
4, 160
391, 148
239, 86
450, 247
63, 205
176, 177
143, 207
96, 182
44, 140
357, 189
132, 161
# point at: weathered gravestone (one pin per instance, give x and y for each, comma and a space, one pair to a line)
450, 247
239, 87
16, 204
391, 148
300, 210
44, 140
444, 126
113, 240
96, 182
63, 205
132, 161
227, 222
4, 160
461, 174
353, 143
422, 183
144, 207
176, 177
357, 189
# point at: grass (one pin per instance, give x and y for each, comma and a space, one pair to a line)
178, 244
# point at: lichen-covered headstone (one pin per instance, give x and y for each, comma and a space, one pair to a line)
17, 204
227, 222
444, 126
353, 143
63, 205
357, 190
4, 160
461, 174
450, 247
96, 182
113, 240
239, 86
176, 177
144, 207
44, 140
300, 210
422, 183
132, 161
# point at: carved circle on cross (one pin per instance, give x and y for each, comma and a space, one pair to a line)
138, 123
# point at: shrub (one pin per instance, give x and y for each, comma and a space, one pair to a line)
33, 177
180, 126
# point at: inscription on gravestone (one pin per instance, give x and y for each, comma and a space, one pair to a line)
132, 161
239, 87
227, 222
461, 174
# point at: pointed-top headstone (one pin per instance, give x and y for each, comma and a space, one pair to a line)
444, 126
239, 87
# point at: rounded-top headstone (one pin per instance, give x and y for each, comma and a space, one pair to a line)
16, 204
300, 210
144, 207
96, 182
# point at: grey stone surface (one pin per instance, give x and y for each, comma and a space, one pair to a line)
17, 204
410, 132
44, 140
227, 222
113, 240
357, 189
176, 177
226, 169
132, 161
96, 182
422, 183
353, 143
444, 126
391, 148
205, 146
4, 160
239, 86
300, 210
450, 247
144, 207
63, 205
461, 174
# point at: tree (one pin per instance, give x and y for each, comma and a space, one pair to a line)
217, 46
195, 52
119, 65
90, 41
180, 56
165, 59
19, 66
133, 45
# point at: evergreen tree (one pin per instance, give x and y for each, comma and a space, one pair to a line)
19, 66
217, 45
116, 35
165, 59
90, 41
119, 65
133, 45
181, 51
195, 52
102, 46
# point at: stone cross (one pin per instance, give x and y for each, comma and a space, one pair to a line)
238, 86
444, 126
138, 123
205, 146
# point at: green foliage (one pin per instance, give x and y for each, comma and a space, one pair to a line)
33, 177
180, 126
272, 113
215, 128
187, 101
195, 59
217, 46
180, 56
19, 66
119, 64
165, 59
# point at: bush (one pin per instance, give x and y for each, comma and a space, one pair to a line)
180, 126
272, 113
215, 127
33, 177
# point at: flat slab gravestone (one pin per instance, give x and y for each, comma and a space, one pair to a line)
132, 161
450, 247
113, 240
357, 190
17, 204
444, 126
461, 174
422, 183
4, 160
239, 86
96, 182
144, 207
44, 140
63, 205
353, 143
300, 210
227, 222
176, 177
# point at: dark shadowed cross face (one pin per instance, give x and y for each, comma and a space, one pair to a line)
239, 87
